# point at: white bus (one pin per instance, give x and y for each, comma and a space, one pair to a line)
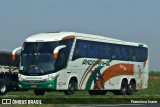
70, 61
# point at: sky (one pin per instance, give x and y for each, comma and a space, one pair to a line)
129, 20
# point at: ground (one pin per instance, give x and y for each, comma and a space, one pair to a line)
153, 91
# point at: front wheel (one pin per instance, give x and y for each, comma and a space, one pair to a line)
3, 89
39, 92
71, 88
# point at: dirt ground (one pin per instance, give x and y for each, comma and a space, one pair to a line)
154, 77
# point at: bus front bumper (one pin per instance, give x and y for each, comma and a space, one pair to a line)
47, 85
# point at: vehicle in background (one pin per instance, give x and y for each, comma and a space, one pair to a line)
70, 61
8, 72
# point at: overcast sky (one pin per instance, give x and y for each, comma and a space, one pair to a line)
129, 20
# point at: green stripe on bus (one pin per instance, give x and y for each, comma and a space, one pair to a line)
90, 79
84, 74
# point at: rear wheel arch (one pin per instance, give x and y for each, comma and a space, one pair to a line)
131, 87
133, 80
125, 79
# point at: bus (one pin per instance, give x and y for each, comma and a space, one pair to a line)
71, 61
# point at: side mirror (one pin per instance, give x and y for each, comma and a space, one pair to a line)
14, 52
56, 50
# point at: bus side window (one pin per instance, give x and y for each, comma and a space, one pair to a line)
76, 51
83, 49
143, 54
140, 54
145, 51
108, 49
103, 49
128, 53
112, 52
92, 50
137, 54
98, 49
134, 54
80, 50
124, 54
61, 61
118, 52
68, 44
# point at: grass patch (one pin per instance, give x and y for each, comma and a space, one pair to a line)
154, 73
152, 92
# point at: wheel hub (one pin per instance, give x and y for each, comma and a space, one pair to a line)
3, 88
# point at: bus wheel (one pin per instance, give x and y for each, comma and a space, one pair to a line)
3, 89
39, 92
103, 92
131, 88
97, 92
71, 88
123, 89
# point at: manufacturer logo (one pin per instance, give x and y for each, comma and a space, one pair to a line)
99, 63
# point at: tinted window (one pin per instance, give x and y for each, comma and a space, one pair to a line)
134, 55
66, 50
103, 51
80, 49
91, 49
142, 54
118, 52
112, 51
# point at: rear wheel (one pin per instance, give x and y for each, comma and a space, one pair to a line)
131, 88
123, 89
39, 92
71, 88
97, 92
3, 89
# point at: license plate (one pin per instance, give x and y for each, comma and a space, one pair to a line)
33, 86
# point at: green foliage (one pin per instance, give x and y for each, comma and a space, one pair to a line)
154, 73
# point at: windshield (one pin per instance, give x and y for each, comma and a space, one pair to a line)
37, 58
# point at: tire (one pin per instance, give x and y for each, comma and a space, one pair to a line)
71, 88
123, 90
97, 92
3, 89
131, 88
39, 92
17, 88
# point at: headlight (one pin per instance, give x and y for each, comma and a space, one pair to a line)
20, 79
51, 77
48, 79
